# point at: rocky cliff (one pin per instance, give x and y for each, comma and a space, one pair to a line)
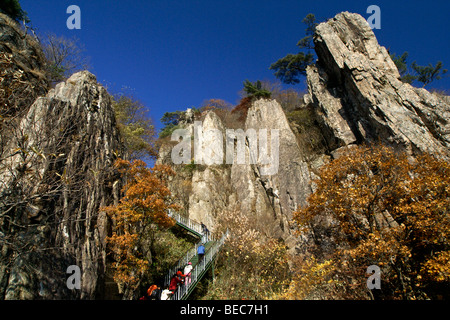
57, 153
56, 171
59, 175
356, 89
355, 95
22, 68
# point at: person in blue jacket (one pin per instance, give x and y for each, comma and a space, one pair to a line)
201, 252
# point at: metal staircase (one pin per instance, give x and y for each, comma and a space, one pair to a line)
212, 246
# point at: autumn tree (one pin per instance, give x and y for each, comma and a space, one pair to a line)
383, 208
136, 127
215, 104
65, 56
139, 215
248, 254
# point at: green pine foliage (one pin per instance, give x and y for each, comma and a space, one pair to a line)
170, 120
429, 73
13, 9
424, 74
256, 90
289, 68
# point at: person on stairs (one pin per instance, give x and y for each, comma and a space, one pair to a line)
187, 272
175, 281
154, 292
165, 294
205, 232
200, 252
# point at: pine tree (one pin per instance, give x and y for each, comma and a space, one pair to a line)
13, 9
424, 74
255, 90
400, 63
289, 68
429, 73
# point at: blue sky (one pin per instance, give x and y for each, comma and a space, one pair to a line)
177, 54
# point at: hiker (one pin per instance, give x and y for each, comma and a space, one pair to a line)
154, 292
149, 292
175, 281
205, 231
150, 289
201, 252
165, 294
181, 275
187, 272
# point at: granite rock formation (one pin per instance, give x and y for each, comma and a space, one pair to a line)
356, 96
57, 171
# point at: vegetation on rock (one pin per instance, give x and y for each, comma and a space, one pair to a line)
382, 208
137, 218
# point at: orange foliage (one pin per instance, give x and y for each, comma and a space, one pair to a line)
387, 210
242, 108
145, 204
216, 104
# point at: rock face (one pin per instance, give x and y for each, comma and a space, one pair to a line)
356, 89
53, 183
269, 196
22, 66
356, 95
289, 186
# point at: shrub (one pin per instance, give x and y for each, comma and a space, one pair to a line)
249, 255
308, 132
385, 210
135, 126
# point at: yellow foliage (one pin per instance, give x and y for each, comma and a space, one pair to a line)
145, 204
253, 266
387, 210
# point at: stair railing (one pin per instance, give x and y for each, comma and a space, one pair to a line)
199, 270
195, 226
189, 223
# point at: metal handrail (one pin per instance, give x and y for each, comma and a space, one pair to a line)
189, 223
198, 271
196, 227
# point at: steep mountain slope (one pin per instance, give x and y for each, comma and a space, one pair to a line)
355, 95
56, 159
52, 187
356, 88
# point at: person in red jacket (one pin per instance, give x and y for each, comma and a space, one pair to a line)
176, 280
